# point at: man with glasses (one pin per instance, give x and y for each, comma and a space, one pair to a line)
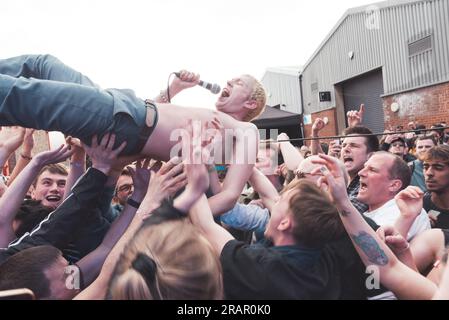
123, 191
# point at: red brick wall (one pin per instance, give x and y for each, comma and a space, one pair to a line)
329, 130
427, 106
40, 144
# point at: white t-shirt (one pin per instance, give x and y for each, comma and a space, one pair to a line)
389, 213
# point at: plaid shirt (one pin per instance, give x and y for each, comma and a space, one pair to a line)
353, 191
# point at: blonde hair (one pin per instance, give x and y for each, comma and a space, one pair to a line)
259, 96
185, 265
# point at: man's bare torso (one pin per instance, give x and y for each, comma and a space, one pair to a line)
173, 119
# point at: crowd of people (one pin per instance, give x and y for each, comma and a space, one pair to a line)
160, 201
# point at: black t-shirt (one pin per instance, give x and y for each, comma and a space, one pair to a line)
262, 271
443, 216
446, 237
277, 272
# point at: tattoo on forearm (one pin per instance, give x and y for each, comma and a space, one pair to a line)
370, 248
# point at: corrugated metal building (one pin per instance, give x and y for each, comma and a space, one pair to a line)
282, 85
393, 56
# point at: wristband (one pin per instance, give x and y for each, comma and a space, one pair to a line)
133, 203
26, 157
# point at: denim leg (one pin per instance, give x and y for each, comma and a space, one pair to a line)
44, 67
72, 109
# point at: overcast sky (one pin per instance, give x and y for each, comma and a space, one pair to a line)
137, 43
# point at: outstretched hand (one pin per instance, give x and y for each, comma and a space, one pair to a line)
410, 202
103, 156
166, 180
332, 175
317, 126
140, 175
53, 156
355, 117
11, 138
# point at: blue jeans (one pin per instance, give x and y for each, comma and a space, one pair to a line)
39, 91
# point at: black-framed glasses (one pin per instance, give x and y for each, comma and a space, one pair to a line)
125, 188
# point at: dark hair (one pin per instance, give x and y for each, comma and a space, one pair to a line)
324, 147
371, 142
55, 168
316, 220
426, 137
440, 152
29, 215
419, 127
26, 269
126, 172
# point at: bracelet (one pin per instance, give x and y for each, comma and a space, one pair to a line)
26, 157
133, 203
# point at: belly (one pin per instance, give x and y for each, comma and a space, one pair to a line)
165, 141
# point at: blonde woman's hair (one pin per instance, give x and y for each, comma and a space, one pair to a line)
167, 261
259, 95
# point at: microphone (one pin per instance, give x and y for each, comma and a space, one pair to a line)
212, 87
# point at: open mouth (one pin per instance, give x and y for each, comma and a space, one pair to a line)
347, 159
363, 186
225, 93
53, 198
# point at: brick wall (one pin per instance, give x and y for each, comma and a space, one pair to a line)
427, 106
329, 130
40, 144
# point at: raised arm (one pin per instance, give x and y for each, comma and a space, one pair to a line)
315, 146
77, 164
246, 139
292, 157
410, 202
25, 156
185, 80
403, 281
355, 117
13, 197
10, 139
91, 264
167, 185
264, 188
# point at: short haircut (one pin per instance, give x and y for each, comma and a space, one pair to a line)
259, 95
371, 142
399, 170
56, 168
316, 219
126, 172
426, 137
440, 152
26, 269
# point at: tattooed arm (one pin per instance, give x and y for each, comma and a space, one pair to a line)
403, 281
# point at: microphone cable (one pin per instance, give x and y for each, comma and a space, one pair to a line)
168, 86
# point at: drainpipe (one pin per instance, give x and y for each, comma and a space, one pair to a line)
302, 106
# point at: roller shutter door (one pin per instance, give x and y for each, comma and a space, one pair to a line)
366, 89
